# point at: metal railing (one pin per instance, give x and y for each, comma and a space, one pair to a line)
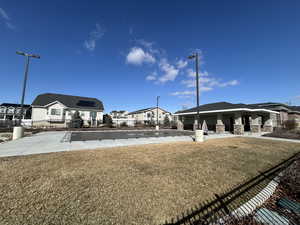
9, 123
236, 203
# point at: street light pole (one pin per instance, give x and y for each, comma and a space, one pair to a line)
157, 99
28, 56
196, 57
24, 89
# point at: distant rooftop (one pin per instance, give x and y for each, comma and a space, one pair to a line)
68, 100
227, 105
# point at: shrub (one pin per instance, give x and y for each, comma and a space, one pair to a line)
76, 121
167, 121
107, 120
123, 124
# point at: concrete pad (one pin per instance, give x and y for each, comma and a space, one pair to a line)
46, 142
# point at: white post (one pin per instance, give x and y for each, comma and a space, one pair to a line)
199, 136
18, 132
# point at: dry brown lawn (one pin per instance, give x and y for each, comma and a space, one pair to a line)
128, 185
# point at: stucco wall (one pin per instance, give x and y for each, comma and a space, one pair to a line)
59, 107
38, 114
143, 115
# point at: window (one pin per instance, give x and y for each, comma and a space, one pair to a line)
93, 115
2, 110
1, 116
148, 115
11, 110
55, 112
18, 111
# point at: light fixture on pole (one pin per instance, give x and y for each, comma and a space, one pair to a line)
196, 57
198, 131
28, 56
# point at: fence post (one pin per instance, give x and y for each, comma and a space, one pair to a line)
224, 206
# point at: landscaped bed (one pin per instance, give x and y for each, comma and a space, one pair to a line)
128, 185
288, 134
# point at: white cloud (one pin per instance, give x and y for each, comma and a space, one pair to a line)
179, 93
4, 14
181, 64
192, 73
130, 30
170, 72
6, 19
206, 81
144, 43
137, 56
94, 36
228, 83
152, 76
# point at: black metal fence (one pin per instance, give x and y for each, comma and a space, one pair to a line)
9, 123
238, 204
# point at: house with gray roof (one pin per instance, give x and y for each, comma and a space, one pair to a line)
148, 115
223, 117
56, 110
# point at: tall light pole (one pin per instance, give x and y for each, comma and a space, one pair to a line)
157, 99
28, 56
196, 57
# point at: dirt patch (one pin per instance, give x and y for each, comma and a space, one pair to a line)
128, 185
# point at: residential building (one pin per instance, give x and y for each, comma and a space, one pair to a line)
11, 111
121, 114
223, 117
56, 110
149, 115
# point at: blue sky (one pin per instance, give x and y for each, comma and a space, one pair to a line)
127, 52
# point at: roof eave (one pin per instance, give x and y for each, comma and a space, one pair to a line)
227, 110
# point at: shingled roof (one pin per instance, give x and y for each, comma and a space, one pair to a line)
145, 110
14, 105
69, 101
141, 110
216, 106
227, 105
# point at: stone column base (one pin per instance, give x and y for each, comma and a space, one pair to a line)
238, 129
179, 125
255, 128
220, 128
195, 127
268, 128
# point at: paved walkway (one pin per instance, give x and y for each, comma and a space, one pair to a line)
46, 142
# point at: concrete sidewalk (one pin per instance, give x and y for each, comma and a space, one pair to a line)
46, 142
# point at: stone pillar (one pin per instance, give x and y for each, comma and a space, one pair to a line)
179, 124
195, 125
220, 127
268, 125
238, 127
255, 125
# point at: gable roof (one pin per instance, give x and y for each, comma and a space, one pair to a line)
145, 110
14, 105
219, 106
69, 101
215, 106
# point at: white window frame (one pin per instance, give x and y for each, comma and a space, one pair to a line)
3, 109
55, 112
